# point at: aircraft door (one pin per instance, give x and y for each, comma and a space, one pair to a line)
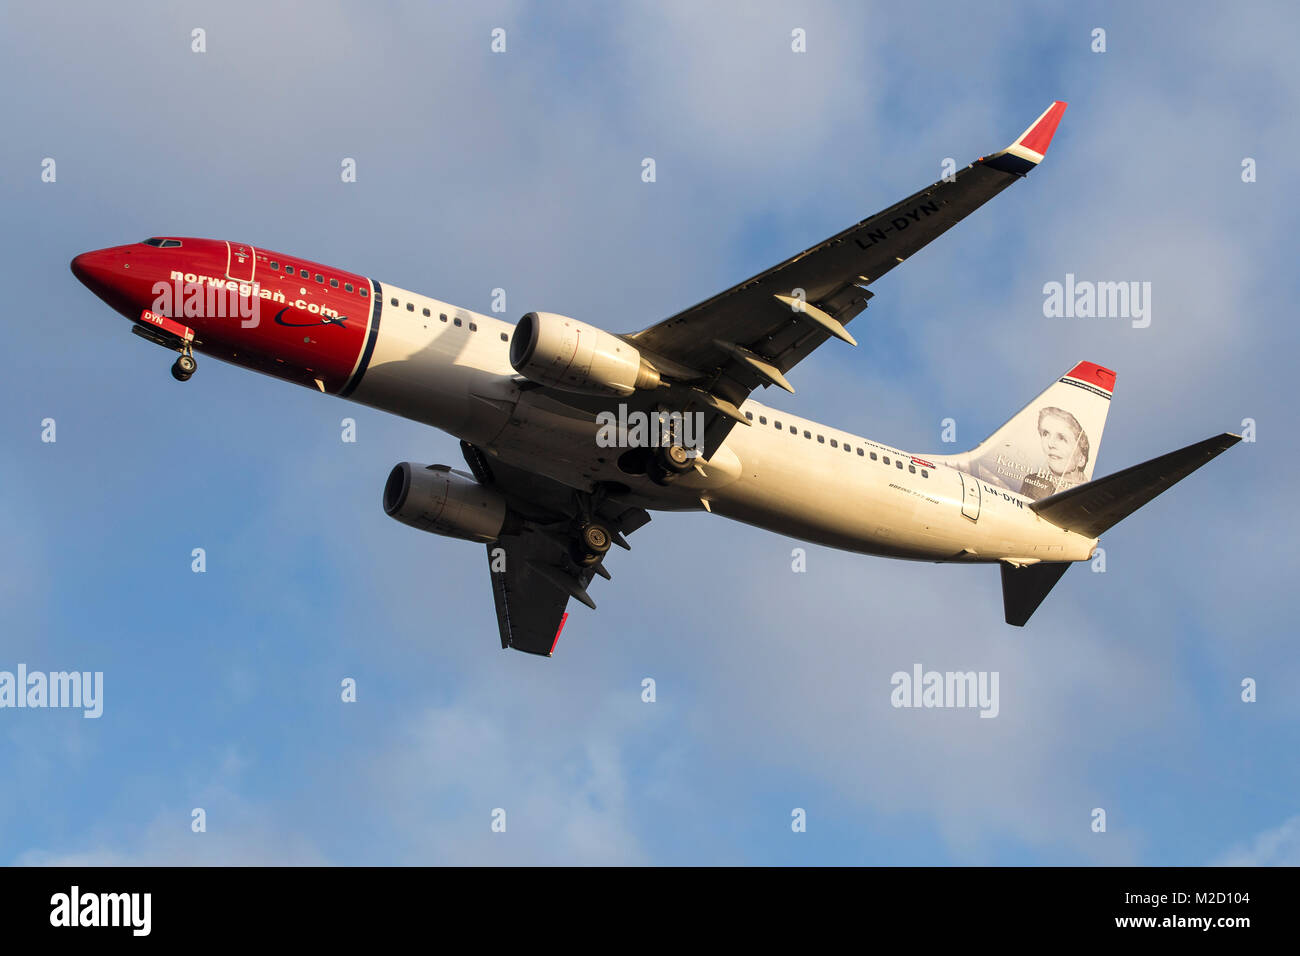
240, 261
970, 492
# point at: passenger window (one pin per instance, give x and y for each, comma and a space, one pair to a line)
749, 415
873, 456
443, 316
762, 419
821, 439
924, 473
334, 283
807, 434
365, 293
504, 337
410, 307
426, 313
886, 459
455, 321
347, 287
794, 430
473, 327
776, 425
834, 443
319, 277
912, 469
392, 301
275, 265
859, 452
848, 449
898, 463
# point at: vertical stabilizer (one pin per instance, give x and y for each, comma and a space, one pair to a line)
1052, 443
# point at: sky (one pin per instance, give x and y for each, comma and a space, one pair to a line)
522, 170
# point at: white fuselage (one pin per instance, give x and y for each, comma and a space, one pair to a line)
801, 479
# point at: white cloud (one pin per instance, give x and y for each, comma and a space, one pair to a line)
1279, 846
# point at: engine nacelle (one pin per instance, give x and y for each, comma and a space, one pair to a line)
441, 501
564, 353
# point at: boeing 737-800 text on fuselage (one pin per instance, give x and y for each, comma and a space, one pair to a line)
572, 434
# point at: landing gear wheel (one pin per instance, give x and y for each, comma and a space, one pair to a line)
592, 543
670, 461
184, 367
677, 458
595, 538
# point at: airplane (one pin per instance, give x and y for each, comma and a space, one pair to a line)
572, 435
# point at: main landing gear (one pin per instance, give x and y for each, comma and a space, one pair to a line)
669, 461
591, 544
184, 366
591, 538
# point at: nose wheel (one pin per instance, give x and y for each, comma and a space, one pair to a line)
184, 366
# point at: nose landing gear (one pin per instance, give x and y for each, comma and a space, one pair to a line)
184, 366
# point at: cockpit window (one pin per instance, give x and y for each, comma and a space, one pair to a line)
161, 243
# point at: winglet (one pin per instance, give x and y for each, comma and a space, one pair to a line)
1031, 146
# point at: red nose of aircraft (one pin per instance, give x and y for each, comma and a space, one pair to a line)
90, 267
106, 272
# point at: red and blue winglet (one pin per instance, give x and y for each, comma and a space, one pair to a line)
1028, 151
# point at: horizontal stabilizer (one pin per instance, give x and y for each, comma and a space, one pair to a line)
1023, 589
1093, 507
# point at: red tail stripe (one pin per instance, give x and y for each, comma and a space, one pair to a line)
1103, 378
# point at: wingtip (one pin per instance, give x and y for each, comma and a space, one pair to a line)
1038, 137
1030, 146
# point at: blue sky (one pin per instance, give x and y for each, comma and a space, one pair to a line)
522, 171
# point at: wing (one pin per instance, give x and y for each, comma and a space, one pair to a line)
753, 333
534, 573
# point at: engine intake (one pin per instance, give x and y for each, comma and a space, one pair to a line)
436, 499
564, 353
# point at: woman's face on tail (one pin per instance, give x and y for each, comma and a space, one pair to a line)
1060, 443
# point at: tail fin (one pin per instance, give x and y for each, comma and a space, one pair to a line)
1051, 444
1099, 505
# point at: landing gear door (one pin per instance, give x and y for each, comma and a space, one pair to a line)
970, 496
240, 261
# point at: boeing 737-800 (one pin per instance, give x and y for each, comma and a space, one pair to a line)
572, 434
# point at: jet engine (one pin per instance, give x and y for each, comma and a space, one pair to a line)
436, 499
564, 353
